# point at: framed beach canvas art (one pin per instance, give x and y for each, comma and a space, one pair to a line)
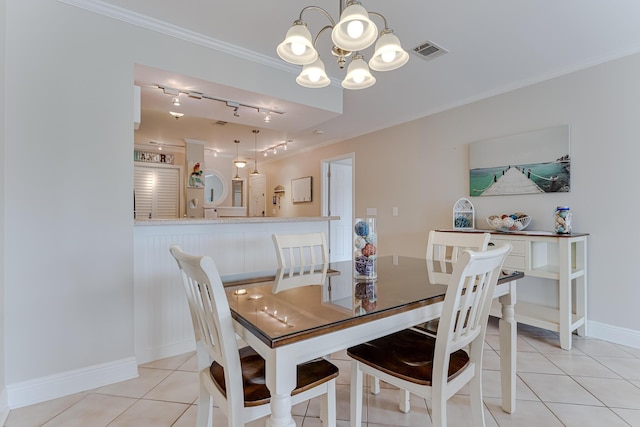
527, 163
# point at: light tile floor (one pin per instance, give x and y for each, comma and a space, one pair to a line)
595, 384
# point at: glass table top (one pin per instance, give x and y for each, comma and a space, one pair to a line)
403, 284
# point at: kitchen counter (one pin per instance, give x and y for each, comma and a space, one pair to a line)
231, 220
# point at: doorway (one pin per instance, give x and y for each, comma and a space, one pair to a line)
257, 191
338, 199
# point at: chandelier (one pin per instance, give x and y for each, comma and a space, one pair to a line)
353, 33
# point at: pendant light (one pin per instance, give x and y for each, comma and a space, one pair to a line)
239, 163
255, 155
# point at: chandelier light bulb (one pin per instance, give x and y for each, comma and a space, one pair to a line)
358, 74
313, 75
388, 56
355, 29
298, 48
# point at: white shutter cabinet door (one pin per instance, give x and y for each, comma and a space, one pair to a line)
167, 194
157, 192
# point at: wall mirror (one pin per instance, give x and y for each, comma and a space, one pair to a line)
216, 188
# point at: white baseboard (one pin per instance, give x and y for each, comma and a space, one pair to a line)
614, 334
150, 354
4, 406
70, 382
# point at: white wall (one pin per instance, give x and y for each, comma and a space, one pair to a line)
3, 394
421, 167
68, 137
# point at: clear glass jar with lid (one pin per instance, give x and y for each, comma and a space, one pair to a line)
562, 220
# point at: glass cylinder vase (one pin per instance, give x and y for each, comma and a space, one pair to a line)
562, 220
365, 243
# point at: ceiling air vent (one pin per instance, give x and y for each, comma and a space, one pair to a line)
429, 50
220, 122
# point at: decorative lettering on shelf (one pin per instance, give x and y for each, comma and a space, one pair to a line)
149, 157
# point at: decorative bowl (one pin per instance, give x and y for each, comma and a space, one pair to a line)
509, 223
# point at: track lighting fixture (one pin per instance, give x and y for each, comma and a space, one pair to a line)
274, 149
175, 93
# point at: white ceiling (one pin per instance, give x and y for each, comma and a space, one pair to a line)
494, 46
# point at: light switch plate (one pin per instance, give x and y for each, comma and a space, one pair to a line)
395, 211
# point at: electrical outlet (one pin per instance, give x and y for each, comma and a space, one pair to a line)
395, 211
372, 211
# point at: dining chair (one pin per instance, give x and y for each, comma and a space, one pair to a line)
233, 377
437, 368
443, 250
303, 259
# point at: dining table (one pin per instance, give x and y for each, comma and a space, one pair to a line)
300, 324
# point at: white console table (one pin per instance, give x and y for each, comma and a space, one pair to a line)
549, 256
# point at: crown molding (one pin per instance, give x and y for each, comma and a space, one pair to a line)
137, 19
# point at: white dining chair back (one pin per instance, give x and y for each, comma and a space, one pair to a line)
224, 368
303, 259
437, 368
444, 248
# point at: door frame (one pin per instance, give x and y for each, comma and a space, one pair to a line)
324, 171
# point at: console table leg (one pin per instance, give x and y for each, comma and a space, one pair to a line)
508, 329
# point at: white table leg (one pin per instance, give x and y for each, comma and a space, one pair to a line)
280, 386
508, 348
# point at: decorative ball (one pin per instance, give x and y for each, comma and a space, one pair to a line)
508, 222
364, 266
361, 228
372, 238
462, 222
361, 290
496, 223
368, 250
359, 242
369, 306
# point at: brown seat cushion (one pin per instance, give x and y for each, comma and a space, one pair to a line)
407, 355
309, 375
